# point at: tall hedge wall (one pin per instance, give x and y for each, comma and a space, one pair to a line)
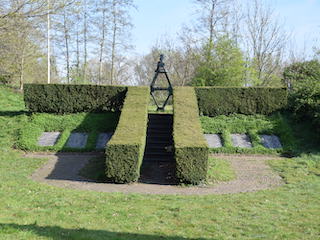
215, 101
191, 149
125, 151
59, 98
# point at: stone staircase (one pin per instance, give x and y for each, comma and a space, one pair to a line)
158, 165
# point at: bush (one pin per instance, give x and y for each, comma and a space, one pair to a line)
301, 71
305, 101
191, 149
214, 101
125, 151
58, 98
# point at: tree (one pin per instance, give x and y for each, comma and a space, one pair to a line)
226, 66
266, 42
102, 27
301, 71
120, 31
212, 17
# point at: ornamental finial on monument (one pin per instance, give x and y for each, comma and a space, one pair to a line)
161, 70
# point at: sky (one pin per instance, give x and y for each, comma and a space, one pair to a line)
156, 18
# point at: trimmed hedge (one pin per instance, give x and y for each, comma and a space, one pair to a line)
125, 151
60, 98
191, 149
214, 101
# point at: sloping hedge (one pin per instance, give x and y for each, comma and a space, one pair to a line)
191, 149
214, 101
125, 151
60, 98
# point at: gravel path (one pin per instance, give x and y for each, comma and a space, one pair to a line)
61, 170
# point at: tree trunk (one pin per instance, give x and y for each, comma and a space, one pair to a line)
85, 29
66, 38
21, 79
78, 52
102, 41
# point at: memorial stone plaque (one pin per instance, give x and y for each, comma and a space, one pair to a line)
48, 139
103, 139
213, 140
270, 141
77, 140
241, 140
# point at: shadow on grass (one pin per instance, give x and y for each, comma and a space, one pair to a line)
58, 233
13, 113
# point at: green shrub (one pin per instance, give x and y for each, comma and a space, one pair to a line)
191, 149
214, 101
305, 101
59, 98
300, 71
125, 151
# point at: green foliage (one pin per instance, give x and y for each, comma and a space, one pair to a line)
254, 126
222, 64
301, 71
191, 149
91, 123
5, 79
125, 150
305, 101
36, 211
214, 101
58, 98
219, 170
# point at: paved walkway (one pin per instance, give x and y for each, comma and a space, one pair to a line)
61, 170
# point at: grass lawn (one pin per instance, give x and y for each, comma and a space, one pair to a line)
254, 126
32, 211
219, 170
90, 123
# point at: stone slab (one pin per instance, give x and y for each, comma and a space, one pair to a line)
241, 140
77, 140
48, 139
103, 139
271, 141
213, 140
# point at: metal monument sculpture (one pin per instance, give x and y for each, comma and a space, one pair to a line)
161, 70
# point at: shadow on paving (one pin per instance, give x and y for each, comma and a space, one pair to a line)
90, 167
68, 166
58, 233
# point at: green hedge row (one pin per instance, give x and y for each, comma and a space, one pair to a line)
191, 149
60, 98
214, 101
125, 151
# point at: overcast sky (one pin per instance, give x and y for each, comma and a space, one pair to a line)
155, 18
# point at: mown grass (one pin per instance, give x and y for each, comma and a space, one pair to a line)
34, 211
219, 170
90, 123
254, 126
